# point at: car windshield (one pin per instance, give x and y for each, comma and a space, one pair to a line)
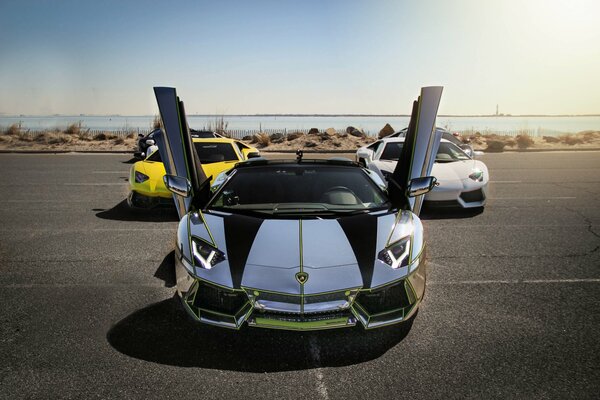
447, 152
215, 152
297, 189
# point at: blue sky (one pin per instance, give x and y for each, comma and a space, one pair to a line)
228, 57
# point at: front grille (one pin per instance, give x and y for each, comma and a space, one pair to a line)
473, 196
213, 298
386, 299
303, 317
317, 303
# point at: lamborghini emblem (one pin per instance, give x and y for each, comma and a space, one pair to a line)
302, 277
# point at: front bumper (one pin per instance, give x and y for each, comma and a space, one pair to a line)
458, 194
389, 304
138, 200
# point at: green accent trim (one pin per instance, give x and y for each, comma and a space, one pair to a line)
298, 325
249, 289
189, 232
207, 229
398, 215
394, 281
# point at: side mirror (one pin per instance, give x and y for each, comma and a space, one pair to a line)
150, 142
467, 149
140, 135
419, 186
365, 153
178, 185
253, 154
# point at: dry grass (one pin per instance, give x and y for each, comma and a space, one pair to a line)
261, 139
119, 140
13, 130
294, 135
571, 140
156, 122
105, 136
495, 146
73, 129
524, 141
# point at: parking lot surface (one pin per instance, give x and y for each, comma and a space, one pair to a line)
512, 308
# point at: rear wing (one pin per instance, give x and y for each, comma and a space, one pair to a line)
420, 147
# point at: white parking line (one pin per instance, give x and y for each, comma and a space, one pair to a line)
534, 198
316, 355
97, 184
515, 281
506, 181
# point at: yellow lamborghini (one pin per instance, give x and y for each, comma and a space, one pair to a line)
146, 185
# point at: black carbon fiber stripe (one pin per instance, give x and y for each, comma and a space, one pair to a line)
240, 232
361, 231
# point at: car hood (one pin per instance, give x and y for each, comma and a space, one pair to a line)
267, 254
453, 171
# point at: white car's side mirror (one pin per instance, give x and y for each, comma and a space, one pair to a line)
365, 153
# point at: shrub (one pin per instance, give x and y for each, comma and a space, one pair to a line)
262, 139
104, 136
73, 129
131, 135
524, 141
294, 135
551, 139
5, 138
571, 140
495, 146
13, 130
156, 122
119, 140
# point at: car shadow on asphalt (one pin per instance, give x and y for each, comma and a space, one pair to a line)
132, 160
449, 213
122, 212
166, 270
164, 333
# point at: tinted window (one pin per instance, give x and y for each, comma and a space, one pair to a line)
449, 152
300, 188
215, 152
392, 151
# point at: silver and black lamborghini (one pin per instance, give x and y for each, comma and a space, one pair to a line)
299, 244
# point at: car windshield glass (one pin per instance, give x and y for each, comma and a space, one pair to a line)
449, 153
215, 152
392, 151
297, 189
446, 153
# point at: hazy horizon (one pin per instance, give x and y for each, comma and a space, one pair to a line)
531, 57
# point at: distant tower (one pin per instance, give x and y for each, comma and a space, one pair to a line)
496, 109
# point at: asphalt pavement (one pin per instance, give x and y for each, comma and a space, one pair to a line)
512, 308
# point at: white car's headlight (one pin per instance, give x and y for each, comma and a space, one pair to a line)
476, 175
396, 254
205, 255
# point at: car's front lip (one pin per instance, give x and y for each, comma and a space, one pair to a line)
332, 315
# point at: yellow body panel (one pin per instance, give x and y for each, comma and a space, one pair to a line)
155, 186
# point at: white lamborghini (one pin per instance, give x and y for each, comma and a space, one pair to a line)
462, 180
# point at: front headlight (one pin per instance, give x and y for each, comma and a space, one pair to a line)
396, 254
139, 177
205, 255
476, 175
